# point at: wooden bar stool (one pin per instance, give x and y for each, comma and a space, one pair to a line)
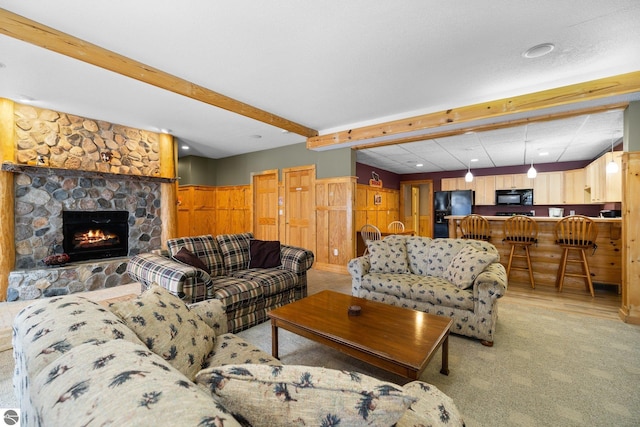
520, 232
475, 227
576, 233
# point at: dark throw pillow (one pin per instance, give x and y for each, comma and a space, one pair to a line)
264, 253
186, 256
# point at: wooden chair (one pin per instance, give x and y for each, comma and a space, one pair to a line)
575, 233
520, 232
476, 227
369, 232
395, 226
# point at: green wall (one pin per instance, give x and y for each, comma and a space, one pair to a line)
237, 170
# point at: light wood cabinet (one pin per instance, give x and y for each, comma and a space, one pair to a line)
604, 187
508, 182
485, 190
548, 188
574, 187
453, 184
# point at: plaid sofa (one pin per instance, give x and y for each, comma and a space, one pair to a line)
246, 293
457, 278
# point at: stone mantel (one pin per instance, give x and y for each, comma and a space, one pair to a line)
45, 170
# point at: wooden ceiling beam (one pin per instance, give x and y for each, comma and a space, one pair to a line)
29, 31
493, 126
587, 91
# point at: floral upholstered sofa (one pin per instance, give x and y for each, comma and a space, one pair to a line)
154, 361
458, 278
249, 276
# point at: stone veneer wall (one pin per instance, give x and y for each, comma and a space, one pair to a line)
80, 164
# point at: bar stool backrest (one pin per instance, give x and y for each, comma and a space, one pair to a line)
520, 228
576, 231
475, 227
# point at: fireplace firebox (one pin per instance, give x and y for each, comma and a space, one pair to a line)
95, 234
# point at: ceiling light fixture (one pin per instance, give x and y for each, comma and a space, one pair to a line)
538, 50
532, 172
419, 165
612, 166
469, 176
185, 147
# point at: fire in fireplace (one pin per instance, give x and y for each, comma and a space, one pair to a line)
95, 234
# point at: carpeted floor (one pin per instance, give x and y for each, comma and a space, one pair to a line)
546, 368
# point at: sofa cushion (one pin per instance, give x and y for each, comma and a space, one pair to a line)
272, 280
204, 247
439, 291
185, 256
388, 256
264, 253
466, 265
235, 292
168, 328
390, 283
303, 395
235, 250
433, 408
50, 327
121, 384
230, 349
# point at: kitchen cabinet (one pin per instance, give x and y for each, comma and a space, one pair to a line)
548, 188
453, 184
604, 187
519, 180
485, 190
574, 187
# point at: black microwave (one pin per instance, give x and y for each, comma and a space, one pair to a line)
522, 197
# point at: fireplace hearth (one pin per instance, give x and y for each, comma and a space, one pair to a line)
95, 234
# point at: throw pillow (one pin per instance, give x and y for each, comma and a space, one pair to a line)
235, 251
186, 256
303, 395
467, 265
167, 326
264, 254
388, 256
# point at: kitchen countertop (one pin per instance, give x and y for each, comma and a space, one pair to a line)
537, 218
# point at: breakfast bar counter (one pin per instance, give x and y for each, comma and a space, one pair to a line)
605, 264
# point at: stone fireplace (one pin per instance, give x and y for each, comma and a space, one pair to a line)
67, 174
53, 211
95, 234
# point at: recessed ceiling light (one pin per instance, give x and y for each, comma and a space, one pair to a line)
544, 153
538, 50
285, 131
167, 131
473, 160
185, 147
419, 165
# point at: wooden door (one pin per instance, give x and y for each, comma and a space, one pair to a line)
265, 205
299, 206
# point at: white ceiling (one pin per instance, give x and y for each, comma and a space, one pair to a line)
331, 66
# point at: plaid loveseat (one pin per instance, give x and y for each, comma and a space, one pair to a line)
246, 293
457, 278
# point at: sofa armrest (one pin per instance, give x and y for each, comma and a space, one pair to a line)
491, 283
188, 283
298, 260
213, 313
358, 268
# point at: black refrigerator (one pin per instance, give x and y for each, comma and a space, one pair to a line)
449, 203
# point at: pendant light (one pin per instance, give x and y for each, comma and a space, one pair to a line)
469, 176
612, 166
532, 172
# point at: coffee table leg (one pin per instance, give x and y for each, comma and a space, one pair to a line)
445, 356
274, 339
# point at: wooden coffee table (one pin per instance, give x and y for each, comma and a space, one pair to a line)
396, 339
